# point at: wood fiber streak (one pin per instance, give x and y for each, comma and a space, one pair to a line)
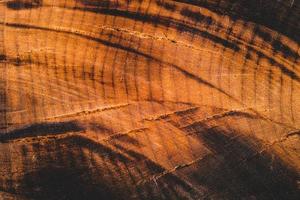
155, 99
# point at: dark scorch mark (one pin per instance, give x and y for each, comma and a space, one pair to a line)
239, 168
42, 129
166, 5
24, 4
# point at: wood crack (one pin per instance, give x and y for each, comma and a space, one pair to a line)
89, 112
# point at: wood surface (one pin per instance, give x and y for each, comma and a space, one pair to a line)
134, 99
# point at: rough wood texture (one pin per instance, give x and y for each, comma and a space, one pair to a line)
151, 99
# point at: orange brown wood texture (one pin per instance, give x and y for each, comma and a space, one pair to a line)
185, 99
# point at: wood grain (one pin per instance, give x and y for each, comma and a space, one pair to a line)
149, 99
